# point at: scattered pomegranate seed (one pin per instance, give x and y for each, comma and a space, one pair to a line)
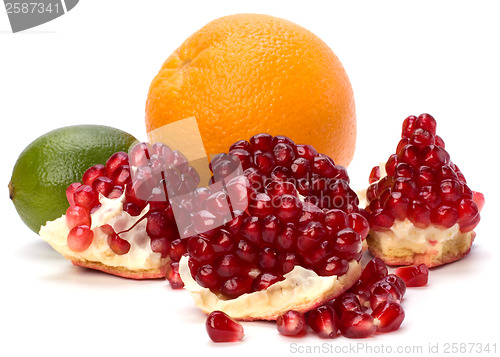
348, 301
356, 324
374, 271
416, 275
388, 316
323, 321
291, 323
221, 328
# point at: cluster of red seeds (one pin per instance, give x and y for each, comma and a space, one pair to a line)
371, 305
278, 231
421, 184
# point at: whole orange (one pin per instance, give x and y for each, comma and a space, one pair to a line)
244, 74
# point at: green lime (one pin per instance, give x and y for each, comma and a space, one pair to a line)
48, 165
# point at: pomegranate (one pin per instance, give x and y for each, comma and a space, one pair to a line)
419, 205
222, 328
291, 323
120, 219
416, 275
295, 240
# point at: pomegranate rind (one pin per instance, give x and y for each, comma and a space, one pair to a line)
302, 290
139, 263
405, 244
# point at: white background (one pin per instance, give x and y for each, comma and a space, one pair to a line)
95, 64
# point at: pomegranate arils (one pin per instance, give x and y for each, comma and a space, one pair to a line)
121, 176
362, 292
409, 126
262, 142
77, 216
422, 138
173, 276
242, 144
284, 154
374, 271
348, 301
160, 245
264, 161
388, 316
468, 213
92, 173
374, 174
80, 238
306, 151
289, 207
103, 185
221, 328
323, 321
416, 275
84, 196
236, 286
332, 266
356, 324
207, 277
427, 122
265, 280
118, 245
291, 323
397, 282
116, 160
348, 244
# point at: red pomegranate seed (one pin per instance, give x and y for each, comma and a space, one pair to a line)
85, 197
397, 282
246, 159
409, 126
478, 198
246, 251
158, 225
288, 207
70, 191
118, 245
419, 214
422, 138
265, 280
362, 292
322, 165
287, 261
241, 144
374, 174
199, 248
348, 301
116, 160
301, 167
104, 185
80, 238
140, 154
323, 321
291, 323
374, 271
409, 154
347, 244
264, 161
121, 176
355, 324
388, 316
450, 191
173, 276
430, 196
398, 205
236, 286
267, 258
390, 165
227, 265
116, 192
435, 156
222, 241
403, 170
439, 141
406, 186
444, 216
332, 266
281, 173
221, 328
262, 142
359, 223
284, 154
207, 277
468, 214
306, 151
309, 235
336, 220
384, 291
92, 173
160, 245
286, 237
416, 275
426, 176
427, 122
381, 220
77, 216
177, 249
402, 143
261, 206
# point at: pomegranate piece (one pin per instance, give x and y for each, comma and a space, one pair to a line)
77, 216
292, 323
374, 270
413, 276
174, 277
355, 324
388, 316
221, 328
323, 321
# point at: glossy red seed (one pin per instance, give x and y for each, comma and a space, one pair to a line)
241, 144
390, 165
221, 328
306, 151
406, 186
92, 173
245, 158
422, 138
397, 282
478, 198
265, 280
177, 249
309, 235
332, 265
227, 265
439, 141
246, 251
284, 154
388, 316
430, 196
408, 126
70, 191
426, 176
84, 196
374, 270
103, 185
300, 168
416, 275
288, 207
286, 237
323, 321
268, 258
434, 156
336, 219
362, 292
77, 216
348, 301
207, 277
236, 286
80, 238
397, 205
121, 176
381, 220
347, 244
374, 174
264, 161
355, 324
419, 214
286, 262
291, 323
468, 214
402, 143
324, 166
427, 122
262, 142
450, 191
409, 154
385, 286
116, 160
444, 216
173, 276
359, 224
402, 169
118, 245
160, 245
200, 249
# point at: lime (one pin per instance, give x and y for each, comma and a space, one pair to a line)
48, 165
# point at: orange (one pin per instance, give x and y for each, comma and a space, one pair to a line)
244, 74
